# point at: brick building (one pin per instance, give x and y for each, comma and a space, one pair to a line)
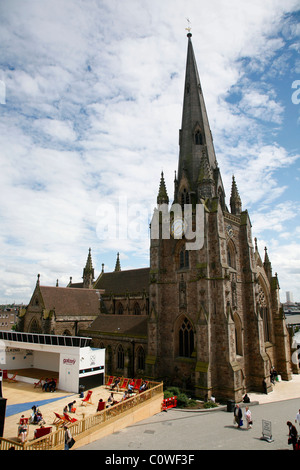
206, 317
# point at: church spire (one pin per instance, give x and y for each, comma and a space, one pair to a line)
195, 134
88, 272
162, 197
235, 200
118, 264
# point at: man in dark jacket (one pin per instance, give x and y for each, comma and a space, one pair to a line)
238, 415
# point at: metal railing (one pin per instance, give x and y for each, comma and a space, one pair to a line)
40, 338
92, 423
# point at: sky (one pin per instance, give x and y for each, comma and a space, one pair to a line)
91, 98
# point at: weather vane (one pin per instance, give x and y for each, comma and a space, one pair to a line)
189, 26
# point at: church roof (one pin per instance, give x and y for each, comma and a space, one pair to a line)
128, 325
66, 301
120, 282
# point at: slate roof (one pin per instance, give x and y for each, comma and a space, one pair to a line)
70, 301
127, 325
120, 282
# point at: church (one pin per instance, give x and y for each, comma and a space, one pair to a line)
206, 314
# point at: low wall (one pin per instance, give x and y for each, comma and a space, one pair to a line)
134, 415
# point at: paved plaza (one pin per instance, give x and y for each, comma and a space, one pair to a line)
212, 429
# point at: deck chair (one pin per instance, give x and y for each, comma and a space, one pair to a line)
59, 419
137, 385
69, 419
13, 378
87, 399
101, 406
24, 421
124, 384
39, 383
40, 432
110, 381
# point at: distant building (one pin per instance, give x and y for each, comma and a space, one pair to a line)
8, 316
289, 297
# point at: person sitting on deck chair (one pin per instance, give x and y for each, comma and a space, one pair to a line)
22, 431
52, 385
116, 384
45, 385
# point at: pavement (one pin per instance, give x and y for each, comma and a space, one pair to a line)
183, 431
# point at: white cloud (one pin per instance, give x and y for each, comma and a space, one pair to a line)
92, 111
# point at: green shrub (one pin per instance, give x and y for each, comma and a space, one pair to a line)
209, 404
171, 392
182, 400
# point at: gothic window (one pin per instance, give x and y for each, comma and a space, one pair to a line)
109, 359
184, 260
231, 256
198, 138
34, 327
238, 335
120, 357
264, 312
266, 323
67, 333
185, 198
140, 358
120, 309
181, 259
186, 339
137, 309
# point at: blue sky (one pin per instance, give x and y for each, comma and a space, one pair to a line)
90, 109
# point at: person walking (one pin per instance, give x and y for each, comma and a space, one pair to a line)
248, 418
293, 435
237, 412
68, 437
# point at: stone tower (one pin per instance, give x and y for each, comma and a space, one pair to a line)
215, 325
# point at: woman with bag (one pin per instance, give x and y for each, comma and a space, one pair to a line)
293, 435
248, 418
69, 441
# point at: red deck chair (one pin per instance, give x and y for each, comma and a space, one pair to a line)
87, 399
39, 383
69, 419
59, 419
110, 381
124, 384
24, 421
40, 432
13, 378
138, 383
101, 406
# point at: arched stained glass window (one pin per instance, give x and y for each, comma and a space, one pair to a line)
186, 339
120, 357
